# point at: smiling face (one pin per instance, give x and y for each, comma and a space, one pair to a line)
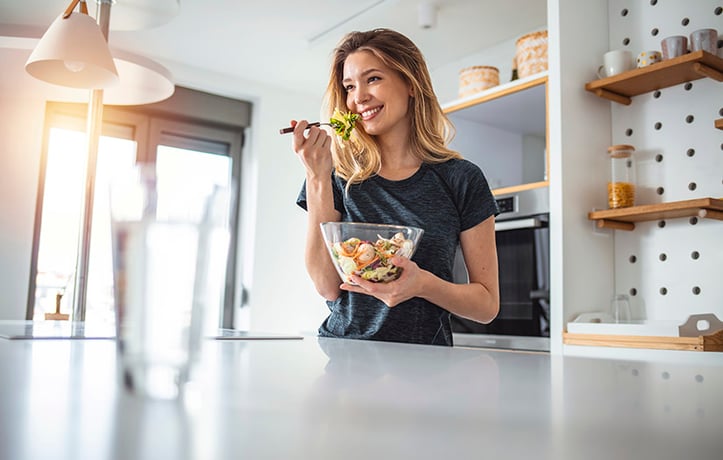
377, 93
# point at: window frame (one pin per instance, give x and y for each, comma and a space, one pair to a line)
151, 127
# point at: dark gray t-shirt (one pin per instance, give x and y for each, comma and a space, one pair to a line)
444, 199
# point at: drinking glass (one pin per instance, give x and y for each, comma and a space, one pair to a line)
170, 242
620, 308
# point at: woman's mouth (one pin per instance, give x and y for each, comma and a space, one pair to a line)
371, 113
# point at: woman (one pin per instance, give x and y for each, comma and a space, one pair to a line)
396, 169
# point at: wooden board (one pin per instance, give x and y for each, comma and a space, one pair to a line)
713, 342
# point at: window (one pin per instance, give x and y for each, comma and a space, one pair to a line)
199, 151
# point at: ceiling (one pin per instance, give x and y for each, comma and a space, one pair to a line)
284, 43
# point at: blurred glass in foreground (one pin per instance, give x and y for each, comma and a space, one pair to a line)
170, 245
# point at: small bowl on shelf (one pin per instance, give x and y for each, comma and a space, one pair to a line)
365, 249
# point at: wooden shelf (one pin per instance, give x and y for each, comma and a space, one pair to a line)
624, 218
692, 66
495, 92
713, 342
719, 123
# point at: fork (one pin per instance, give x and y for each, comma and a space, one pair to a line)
290, 129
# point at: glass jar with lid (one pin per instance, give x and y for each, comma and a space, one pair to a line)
621, 186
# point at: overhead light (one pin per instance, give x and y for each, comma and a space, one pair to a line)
73, 52
142, 81
142, 14
427, 14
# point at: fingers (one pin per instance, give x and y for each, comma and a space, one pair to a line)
399, 261
305, 136
299, 127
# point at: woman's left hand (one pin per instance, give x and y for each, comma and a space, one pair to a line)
395, 292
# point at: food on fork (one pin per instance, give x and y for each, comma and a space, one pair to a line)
342, 123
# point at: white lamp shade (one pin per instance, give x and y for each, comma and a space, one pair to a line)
142, 81
74, 53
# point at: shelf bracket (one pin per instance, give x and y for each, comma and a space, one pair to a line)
616, 225
710, 214
611, 96
706, 71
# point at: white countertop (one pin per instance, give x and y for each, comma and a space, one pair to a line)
343, 399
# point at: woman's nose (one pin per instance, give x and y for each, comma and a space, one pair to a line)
361, 95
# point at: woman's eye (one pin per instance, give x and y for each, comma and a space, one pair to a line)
375, 78
348, 88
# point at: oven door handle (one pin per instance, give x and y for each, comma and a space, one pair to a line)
531, 222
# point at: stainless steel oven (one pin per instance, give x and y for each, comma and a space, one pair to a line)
523, 253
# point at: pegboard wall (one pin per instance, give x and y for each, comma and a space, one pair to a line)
673, 268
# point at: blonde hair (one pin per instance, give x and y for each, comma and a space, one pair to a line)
359, 158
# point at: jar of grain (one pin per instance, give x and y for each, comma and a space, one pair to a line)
621, 187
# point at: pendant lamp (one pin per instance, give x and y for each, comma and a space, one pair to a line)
142, 81
141, 14
74, 52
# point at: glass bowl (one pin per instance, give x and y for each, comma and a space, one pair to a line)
365, 249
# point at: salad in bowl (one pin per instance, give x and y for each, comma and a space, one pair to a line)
366, 249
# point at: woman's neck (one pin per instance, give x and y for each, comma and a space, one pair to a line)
398, 161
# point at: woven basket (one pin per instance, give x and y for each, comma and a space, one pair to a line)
531, 53
477, 78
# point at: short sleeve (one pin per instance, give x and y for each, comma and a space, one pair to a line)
474, 197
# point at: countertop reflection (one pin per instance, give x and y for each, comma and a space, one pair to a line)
331, 398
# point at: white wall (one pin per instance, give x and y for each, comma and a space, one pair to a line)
21, 128
498, 152
281, 298
581, 259
446, 78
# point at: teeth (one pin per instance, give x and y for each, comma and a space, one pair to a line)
371, 112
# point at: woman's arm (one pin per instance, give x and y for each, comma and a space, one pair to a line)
320, 206
314, 150
479, 300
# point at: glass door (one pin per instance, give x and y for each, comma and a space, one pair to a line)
59, 207
200, 156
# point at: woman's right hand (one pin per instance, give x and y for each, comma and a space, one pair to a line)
313, 146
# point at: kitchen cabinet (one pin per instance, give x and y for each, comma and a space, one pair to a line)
504, 131
670, 265
640, 260
587, 266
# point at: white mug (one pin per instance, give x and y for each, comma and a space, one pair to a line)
615, 62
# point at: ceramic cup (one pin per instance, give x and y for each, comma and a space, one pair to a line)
615, 62
704, 39
674, 46
647, 58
